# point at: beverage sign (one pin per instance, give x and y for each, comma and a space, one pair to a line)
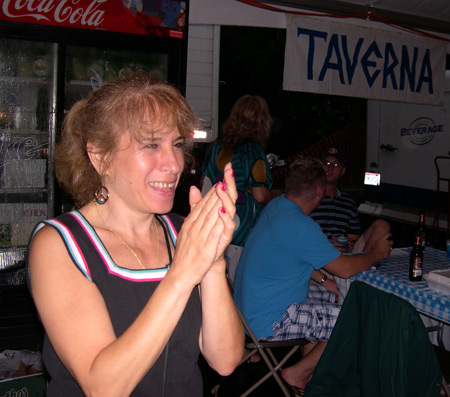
145, 17
422, 130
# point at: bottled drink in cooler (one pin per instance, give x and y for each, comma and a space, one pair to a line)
416, 261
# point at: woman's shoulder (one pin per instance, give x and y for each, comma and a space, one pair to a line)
62, 225
43, 231
45, 241
49, 226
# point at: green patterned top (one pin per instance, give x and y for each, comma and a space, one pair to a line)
251, 169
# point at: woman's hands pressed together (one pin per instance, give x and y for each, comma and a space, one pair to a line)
208, 229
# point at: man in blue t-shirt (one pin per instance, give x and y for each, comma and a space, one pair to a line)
283, 252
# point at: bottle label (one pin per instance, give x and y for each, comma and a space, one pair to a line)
417, 267
417, 272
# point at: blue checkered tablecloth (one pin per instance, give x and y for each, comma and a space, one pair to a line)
392, 275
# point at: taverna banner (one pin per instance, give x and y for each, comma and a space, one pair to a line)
337, 58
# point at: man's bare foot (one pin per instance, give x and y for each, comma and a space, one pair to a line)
291, 379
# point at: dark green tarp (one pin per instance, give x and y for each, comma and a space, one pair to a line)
378, 347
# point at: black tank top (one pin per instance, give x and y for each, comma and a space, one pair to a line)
126, 292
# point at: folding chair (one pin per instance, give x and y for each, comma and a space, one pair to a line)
264, 348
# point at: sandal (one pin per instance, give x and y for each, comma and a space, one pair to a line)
297, 391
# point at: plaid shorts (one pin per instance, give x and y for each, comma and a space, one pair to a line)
313, 320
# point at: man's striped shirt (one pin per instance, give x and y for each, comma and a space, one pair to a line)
337, 215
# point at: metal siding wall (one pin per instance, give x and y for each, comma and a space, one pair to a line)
202, 75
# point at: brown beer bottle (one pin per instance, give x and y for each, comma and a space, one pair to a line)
421, 229
416, 261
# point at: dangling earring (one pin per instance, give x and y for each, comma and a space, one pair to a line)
101, 195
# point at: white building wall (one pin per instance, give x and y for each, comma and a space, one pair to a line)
203, 75
205, 19
232, 12
202, 79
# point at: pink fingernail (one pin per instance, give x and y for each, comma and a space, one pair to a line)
224, 185
223, 210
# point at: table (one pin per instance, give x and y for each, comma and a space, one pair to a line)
392, 275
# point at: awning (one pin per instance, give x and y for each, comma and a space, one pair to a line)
432, 15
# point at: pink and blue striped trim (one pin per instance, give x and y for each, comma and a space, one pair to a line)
71, 244
144, 275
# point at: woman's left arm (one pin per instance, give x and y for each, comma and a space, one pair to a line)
222, 336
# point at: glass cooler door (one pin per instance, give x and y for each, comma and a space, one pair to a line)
27, 126
87, 68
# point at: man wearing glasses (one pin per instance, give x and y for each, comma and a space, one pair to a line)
337, 214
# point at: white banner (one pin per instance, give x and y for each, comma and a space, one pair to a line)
333, 57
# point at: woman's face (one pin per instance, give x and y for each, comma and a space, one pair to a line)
145, 174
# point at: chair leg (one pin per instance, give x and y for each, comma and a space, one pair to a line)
273, 371
215, 390
279, 365
445, 387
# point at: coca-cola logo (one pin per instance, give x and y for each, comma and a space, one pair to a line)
58, 11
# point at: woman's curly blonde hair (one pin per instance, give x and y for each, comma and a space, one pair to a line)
249, 121
139, 104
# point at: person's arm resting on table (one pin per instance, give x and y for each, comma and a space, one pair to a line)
345, 266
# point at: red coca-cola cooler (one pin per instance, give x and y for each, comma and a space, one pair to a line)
52, 53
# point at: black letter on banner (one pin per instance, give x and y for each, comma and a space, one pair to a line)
311, 34
388, 70
373, 48
410, 69
350, 66
333, 47
426, 67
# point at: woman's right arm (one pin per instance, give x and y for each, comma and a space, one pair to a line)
260, 175
263, 195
